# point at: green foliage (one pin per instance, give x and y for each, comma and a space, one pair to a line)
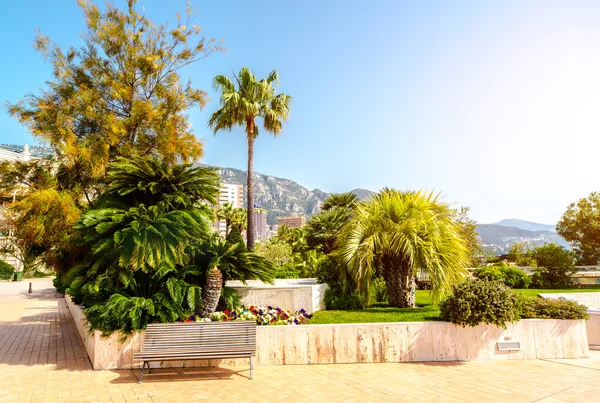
120, 94
556, 266
336, 298
60, 284
468, 229
542, 308
378, 292
230, 299
288, 270
404, 234
139, 238
580, 225
515, 277
489, 273
478, 301
6, 270
277, 251
512, 277
235, 236
520, 253
164, 297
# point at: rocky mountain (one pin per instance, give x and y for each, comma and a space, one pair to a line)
526, 225
499, 238
280, 196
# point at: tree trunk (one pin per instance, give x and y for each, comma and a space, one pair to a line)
226, 227
400, 284
211, 292
250, 232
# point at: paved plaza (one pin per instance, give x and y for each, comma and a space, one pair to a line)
43, 360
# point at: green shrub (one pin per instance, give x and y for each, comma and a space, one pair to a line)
60, 284
489, 273
378, 292
515, 277
288, 270
478, 301
6, 270
235, 236
337, 299
512, 277
556, 266
542, 308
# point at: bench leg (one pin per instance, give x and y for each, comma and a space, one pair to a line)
143, 367
251, 368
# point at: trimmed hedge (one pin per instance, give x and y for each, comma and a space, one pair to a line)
542, 308
6, 270
478, 301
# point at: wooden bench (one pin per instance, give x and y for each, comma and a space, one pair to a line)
197, 341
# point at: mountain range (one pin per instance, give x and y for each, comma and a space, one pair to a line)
282, 197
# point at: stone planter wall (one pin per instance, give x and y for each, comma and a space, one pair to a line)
290, 294
373, 342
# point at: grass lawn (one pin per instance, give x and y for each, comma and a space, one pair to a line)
424, 313
533, 292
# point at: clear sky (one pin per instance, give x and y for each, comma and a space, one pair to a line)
494, 104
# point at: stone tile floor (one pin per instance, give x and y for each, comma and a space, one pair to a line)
43, 360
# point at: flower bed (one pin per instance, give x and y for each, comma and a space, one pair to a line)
263, 315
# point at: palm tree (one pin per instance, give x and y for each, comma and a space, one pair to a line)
224, 261
403, 234
242, 106
240, 219
342, 200
322, 230
227, 213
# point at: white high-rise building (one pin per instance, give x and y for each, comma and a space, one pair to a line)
233, 194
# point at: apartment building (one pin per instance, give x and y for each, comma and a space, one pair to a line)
260, 223
233, 194
293, 221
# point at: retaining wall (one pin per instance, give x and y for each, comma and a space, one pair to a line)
373, 342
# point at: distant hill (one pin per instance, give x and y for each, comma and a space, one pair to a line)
527, 225
281, 196
499, 238
362, 194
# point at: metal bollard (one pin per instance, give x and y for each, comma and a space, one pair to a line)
30, 290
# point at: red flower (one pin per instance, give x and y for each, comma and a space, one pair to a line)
188, 320
251, 307
226, 312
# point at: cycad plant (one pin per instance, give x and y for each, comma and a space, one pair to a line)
242, 104
138, 236
222, 261
164, 296
401, 234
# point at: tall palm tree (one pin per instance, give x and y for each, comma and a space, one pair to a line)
403, 234
242, 105
224, 261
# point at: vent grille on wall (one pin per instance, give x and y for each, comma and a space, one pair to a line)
509, 345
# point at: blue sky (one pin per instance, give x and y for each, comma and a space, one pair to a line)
493, 104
